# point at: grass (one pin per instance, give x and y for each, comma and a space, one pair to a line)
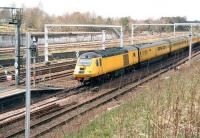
165, 108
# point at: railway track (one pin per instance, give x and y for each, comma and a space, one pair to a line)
46, 72
41, 67
54, 115
37, 110
53, 76
63, 46
11, 116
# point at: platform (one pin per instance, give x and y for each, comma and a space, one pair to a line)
13, 91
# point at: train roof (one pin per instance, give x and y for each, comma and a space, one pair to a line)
130, 48
151, 44
105, 53
90, 55
111, 51
115, 51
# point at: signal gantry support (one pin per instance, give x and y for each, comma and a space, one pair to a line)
15, 18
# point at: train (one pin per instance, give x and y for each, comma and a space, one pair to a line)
104, 63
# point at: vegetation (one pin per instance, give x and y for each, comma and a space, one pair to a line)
35, 18
167, 108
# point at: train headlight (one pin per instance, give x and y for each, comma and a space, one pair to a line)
89, 71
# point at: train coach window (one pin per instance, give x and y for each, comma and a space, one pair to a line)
133, 54
161, 48
145, 52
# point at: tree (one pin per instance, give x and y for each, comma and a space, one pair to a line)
124, 21
34, 18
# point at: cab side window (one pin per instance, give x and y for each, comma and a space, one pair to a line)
140, 53
97, 62
100, 62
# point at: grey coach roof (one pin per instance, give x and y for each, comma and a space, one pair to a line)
147, 45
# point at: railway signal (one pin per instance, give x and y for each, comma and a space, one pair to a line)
34, 54
33, 48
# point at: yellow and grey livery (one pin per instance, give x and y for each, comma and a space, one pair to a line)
94, 64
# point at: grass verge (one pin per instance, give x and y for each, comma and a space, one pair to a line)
167, 107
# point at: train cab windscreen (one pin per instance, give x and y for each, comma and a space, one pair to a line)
85, 62
86, 58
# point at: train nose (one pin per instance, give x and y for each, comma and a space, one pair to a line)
82, 70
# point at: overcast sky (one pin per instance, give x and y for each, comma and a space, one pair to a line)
137, 9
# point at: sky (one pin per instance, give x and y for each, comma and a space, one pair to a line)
137, 9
